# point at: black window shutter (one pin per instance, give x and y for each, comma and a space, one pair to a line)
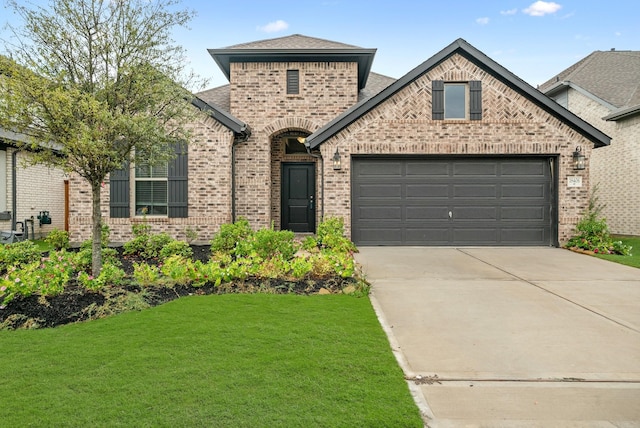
475, 101
437, 101
119, 192
293, 82
178, 183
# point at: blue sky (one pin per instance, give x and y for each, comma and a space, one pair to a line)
533, 39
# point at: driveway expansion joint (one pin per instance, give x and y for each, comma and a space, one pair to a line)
435, 379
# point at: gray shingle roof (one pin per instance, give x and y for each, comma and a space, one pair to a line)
295, 41
220, 97
613, 76
375, 83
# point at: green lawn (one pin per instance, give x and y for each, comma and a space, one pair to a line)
633, 260
223, 360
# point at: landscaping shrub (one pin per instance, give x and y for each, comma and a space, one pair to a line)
82, 259
230, 235
268, 243
592, 232
18, 254
331, 235
110, 275
146, 275
58, 239
176, 248
144, 243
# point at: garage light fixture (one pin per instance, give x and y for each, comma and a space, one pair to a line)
578, 159
337, 163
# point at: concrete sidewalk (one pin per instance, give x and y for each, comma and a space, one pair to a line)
514, 336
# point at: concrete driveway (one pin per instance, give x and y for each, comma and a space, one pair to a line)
512, 337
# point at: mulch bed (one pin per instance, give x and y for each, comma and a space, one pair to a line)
78, 304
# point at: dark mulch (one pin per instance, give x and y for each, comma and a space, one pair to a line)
78, 304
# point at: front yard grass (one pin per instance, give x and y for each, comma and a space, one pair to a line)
632, 260
232, 360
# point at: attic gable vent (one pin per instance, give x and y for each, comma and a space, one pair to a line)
293, 82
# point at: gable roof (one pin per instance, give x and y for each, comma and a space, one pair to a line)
295, 48
465, 49
610, 77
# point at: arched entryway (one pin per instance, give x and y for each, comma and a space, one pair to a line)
294, 201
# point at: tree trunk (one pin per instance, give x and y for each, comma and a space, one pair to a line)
96, 218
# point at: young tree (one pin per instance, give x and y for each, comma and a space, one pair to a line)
95, 84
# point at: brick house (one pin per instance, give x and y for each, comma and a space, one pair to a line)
26, 191
604, 90
459, 151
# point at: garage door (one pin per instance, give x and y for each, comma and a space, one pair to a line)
453, 201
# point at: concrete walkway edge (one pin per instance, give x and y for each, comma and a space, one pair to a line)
416, 391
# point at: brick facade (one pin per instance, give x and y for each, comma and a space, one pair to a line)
39, 188
209, 193
510, 125
259, 98
615, 169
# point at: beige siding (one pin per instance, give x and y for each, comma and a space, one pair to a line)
39, 188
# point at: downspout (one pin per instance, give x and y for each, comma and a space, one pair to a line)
241, 137
14, 187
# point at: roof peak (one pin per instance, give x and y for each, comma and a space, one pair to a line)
293, 41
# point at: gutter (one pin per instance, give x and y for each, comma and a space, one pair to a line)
237, 139
623, 113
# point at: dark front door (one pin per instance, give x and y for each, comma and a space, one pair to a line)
298, 197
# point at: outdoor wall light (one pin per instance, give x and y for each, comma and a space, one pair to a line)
578, 159
337, 163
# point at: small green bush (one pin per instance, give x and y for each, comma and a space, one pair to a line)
592, 232
18, 254
109, 275
58, 239
173, 248
146, 275
82, 259
230, 235
268, 243
331, 235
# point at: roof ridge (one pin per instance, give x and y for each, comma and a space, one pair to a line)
339, 45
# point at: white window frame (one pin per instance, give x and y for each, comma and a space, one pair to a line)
134, 183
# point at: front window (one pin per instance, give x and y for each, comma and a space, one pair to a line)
455, 101
151, 189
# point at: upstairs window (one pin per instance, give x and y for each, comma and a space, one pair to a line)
293, 82
456, 100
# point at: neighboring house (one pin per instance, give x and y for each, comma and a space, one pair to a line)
28, 191
459, 151
604, 90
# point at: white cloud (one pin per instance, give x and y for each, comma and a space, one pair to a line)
541, 8
509, 12
618, 33
273, 27
482, 21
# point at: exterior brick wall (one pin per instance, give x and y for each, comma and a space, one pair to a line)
39, 188
259, 98
511, 125
615, 169
209, 193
